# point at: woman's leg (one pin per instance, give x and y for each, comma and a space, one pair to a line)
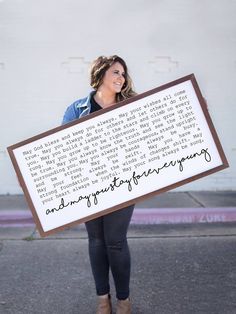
98, 255
115, 232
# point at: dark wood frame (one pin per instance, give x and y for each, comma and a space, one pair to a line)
201, 100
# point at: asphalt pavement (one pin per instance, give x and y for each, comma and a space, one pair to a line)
177, 268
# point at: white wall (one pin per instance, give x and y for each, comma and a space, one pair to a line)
46, 47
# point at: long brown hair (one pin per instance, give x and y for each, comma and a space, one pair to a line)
98, 70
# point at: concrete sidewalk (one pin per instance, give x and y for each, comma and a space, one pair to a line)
176, 268
171, 207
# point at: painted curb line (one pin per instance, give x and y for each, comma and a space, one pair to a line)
23, 218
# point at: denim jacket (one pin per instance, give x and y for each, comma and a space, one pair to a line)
78, 109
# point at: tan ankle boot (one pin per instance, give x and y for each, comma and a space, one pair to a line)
104, 306
123, 307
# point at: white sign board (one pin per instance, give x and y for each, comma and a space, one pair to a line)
115, 157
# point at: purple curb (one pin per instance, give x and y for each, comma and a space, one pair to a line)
183, 215
16, 218
23, 218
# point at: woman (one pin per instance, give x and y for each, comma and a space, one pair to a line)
108, 248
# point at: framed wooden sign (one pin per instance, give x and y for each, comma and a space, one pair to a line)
148, 144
